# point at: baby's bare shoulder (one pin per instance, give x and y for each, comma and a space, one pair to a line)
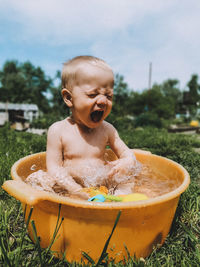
108, 127
58, 127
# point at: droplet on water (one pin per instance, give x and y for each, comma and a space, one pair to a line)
33, 167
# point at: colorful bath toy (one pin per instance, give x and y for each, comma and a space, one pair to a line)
104, 197
134, 197
101, 195
97, 198
125, 198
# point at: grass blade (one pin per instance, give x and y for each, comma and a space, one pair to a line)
4, 253
37, 241
29, 216
88, 257
58, 225
103, 254
23, 235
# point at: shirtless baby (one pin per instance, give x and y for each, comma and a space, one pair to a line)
76, 145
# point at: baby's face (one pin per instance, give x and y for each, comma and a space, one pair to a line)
92, 95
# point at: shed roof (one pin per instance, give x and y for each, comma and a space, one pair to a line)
13, 106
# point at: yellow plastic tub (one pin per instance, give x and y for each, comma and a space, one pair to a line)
87, 225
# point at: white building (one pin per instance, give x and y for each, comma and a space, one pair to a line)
17, 112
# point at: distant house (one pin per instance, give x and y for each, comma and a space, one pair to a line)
17, 112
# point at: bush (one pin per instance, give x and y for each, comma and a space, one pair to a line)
148, 119
44, 121
121, 123
15, 145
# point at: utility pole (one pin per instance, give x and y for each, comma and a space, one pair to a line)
150, 75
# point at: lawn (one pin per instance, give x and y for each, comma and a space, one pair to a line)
182, 246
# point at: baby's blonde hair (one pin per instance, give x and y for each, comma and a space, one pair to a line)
70, 68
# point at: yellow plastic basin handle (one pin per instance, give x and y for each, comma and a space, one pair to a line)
23, 192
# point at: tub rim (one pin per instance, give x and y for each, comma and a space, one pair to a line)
48, 196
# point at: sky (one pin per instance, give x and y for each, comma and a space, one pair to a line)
127, 34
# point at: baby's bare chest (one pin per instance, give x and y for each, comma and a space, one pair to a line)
77, 145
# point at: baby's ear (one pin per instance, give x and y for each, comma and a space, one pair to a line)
67, 97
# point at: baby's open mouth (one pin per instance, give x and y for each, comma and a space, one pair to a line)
96, 115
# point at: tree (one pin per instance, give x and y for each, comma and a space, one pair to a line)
24, 83
170, 90
191, 98
159, 104
59, 108
162, 100
121, 96
138, 102
194, 89
12, 83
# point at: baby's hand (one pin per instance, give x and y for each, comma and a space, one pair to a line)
66, 181
122, 167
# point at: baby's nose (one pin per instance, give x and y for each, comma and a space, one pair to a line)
102, 100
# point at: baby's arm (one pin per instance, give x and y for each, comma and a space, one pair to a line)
54, 161
54, 149
127, 160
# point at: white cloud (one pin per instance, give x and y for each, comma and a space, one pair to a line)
126, 33
69, 21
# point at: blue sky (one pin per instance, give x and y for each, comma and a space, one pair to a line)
128, 34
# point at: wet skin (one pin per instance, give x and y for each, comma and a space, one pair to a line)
82, 138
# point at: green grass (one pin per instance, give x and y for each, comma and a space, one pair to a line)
182, 246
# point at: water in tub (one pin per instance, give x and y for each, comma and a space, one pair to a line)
143, 178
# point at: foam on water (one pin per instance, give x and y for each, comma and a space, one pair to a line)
154, 184
141, 178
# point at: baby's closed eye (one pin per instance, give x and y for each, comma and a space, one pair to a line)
110, 97
92, 95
